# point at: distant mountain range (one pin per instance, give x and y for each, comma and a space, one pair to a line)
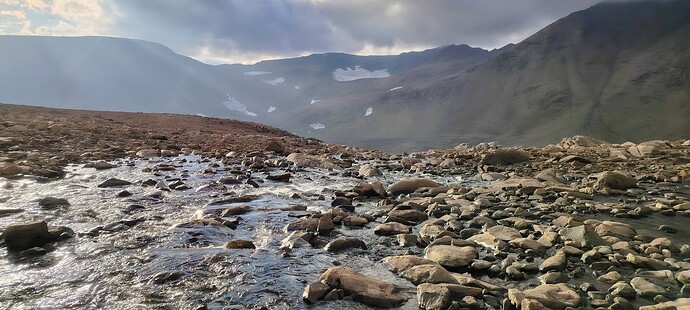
618, 71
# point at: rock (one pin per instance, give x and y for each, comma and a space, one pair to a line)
275, 146
407, 240
409, 215
433, 297
113, 182
364, 289
614, 180
239, 244
356, 221
531, 304
407, 186
314, 291
616, 229
451, 256
279, 177
429, 273
19, 237
648, 289
236, 210
102, 165
52, 202
582, 235
504, 157
668, 229
683, 276
679, 304
344, 243
529, 244
646, 262
365, 189
580, 141
297, 239
403, 262
488, 241
610, 278
504, 233
9, 169
555, 296
147, 153
553, 278
309, 224
558, 262
623, 289
682, 206
325, 225
368, 170
392, 228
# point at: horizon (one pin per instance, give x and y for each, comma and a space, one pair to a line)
247, 33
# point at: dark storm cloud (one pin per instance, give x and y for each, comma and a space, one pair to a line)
241, 30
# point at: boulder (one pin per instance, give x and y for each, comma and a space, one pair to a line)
616, 229
407, 186
429, 273
239, 244
614, 180
410, 215
362, 288
52, 202
344, 243
555, 296
504, 157
403, 262
433, 297
368, 170
558, 262
147, 153
451, 256
504, 233
678, 304
19, 237
9, 169
392, 228
113, 182
582, 235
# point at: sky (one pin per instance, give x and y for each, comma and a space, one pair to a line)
247, 31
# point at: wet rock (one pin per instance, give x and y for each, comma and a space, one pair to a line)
236, 210
361, 288
647, 288
429, 273
614, 180
5, 212
407, 186
166, 276
297, 239
451, 256
433, 297
504, 233
616, 229
683, 276
344, 243
355, 221
392, 228
147, 153
680, 303
9, 169
113, 182
308, 224
409, 215
504, 157
279, 177
19, 237
102, 165
403, 262
555, 296
325, 225
682, 206
314, 292
668, 229
52, 203
239, 244
582, 235
367, 170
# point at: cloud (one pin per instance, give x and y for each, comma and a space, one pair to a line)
247, 31
18, 14
234, 30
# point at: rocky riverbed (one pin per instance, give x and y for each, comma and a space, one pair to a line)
136, 215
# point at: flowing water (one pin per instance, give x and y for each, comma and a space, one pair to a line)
143, 251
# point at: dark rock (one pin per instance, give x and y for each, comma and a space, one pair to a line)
344, 243
113, 182
239, 244
52, 203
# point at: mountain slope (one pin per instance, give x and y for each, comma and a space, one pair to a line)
618, 71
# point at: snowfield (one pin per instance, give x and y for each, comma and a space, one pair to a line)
357, 73
277, 81
369, 111
396, 88
317, 126
253, 73
234, 105
314, 101
271, 109
296, 86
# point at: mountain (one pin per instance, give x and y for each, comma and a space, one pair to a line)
618, 71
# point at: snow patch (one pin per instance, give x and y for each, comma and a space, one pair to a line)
296, 86
271, 109
253, 73
396, 88
356, 73
234, 105
369, 111
314, 101
317, 126
277, 81
199, 114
